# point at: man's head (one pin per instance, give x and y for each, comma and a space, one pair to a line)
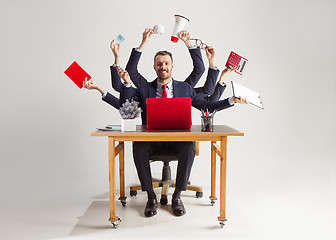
163, 66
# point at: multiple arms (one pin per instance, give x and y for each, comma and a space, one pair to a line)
131, 72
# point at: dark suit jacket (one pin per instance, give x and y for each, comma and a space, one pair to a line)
192, 79
180, 90
115, 79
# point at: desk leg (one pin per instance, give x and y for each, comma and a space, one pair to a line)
122, 197
223, 159
111, 158
213, 174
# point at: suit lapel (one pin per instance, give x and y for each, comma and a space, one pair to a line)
152, 90
175, 89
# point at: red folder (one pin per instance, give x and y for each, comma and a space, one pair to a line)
77, 74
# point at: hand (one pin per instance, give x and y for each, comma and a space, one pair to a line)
240, 100
185, 36
91, 85
146, 35
124, 75
210, 53
226, 72
115, 47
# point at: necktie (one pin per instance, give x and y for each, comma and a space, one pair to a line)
164, 92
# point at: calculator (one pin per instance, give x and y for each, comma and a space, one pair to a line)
237, 62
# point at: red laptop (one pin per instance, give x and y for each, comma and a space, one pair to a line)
168, 113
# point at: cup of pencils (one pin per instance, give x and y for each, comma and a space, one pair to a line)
207, 121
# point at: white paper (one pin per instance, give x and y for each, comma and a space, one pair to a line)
251, 96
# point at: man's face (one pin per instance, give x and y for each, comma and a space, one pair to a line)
163, 67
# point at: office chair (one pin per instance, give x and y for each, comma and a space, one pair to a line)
166, 182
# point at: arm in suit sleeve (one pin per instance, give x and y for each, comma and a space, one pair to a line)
112, 100
115, 79
198, 69
200, 103
128, 93
210, 82
219, 89
132, 68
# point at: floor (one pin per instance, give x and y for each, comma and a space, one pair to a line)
251, 215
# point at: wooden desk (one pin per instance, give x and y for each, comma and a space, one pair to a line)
220, 133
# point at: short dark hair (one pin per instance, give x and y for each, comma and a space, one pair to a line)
163, 53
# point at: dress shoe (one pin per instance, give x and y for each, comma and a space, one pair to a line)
178, 207
151, 207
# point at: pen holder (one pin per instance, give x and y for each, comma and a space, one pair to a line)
207, 123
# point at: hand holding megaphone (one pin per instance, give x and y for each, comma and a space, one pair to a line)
180, 23
185, 36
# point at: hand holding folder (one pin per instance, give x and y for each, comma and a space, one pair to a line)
77, 74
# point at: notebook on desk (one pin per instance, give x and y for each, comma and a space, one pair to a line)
168, 113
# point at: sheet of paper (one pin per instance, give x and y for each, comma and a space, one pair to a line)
251, 96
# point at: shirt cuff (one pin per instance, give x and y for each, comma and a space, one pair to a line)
138, 50
231, 101
222, 84
214, 68
128, 85
104, 95
115, 65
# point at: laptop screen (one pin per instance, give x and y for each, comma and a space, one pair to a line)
168, 113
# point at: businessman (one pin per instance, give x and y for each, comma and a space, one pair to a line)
132, 64
165, 86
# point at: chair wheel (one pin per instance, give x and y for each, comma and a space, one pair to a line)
199, 194
163, 201
133, 193
123, 202
115, 224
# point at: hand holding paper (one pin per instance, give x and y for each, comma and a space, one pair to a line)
252, 96
115, 47
240, 100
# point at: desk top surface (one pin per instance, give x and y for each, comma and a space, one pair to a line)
184, 134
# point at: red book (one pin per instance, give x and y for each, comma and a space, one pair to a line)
77, 74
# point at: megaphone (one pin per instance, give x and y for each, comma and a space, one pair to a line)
180, 23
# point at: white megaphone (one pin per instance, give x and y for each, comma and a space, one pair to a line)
180, 23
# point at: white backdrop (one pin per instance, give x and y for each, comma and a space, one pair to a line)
46, 148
